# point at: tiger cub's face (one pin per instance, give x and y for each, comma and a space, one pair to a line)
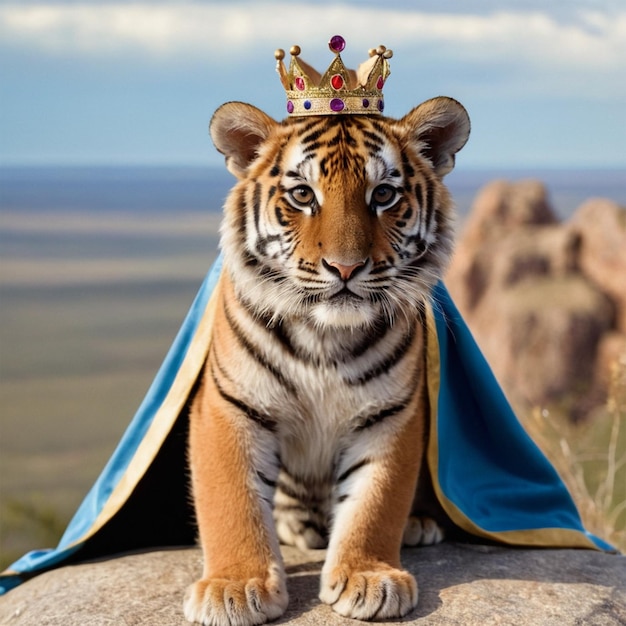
342, 221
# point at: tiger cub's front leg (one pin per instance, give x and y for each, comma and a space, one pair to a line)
362, 576
243, 580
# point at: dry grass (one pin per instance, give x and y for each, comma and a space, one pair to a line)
591, 459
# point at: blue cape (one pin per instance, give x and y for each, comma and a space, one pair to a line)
488, 475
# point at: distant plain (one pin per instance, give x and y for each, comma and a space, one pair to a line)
89, 307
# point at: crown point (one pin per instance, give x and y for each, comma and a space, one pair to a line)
279, 55
388, 54
337, 44
380, 51
295, 51
372, 52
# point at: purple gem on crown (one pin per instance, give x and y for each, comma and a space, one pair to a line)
337, 105
337, 44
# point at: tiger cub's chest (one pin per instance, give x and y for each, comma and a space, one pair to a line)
319, 385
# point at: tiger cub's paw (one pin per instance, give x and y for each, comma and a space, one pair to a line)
369, 595
422, 531
222, 602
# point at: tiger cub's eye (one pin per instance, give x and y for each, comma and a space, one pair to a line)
302, 195
383, 196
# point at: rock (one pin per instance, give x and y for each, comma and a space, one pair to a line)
534, 334
601, 226
502, 213
459, 584
499, 263
546, 301
502, 207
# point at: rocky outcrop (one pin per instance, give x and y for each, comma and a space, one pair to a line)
459, 584
601, 226
546, 300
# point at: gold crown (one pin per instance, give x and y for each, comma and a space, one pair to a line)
339, 91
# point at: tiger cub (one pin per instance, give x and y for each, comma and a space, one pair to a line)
308, 425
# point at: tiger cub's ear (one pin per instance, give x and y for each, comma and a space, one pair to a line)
238, 130
438, 129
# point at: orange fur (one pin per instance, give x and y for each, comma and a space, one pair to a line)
376, 533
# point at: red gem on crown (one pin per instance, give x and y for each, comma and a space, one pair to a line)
337, 81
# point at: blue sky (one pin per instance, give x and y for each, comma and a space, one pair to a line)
137, 82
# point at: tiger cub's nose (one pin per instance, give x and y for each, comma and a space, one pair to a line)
345, 272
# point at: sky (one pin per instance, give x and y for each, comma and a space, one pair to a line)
116, 83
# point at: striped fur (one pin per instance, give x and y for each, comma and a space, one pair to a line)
308, 426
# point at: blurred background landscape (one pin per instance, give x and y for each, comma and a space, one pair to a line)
111, 194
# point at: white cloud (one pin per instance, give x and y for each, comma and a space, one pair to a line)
586, 39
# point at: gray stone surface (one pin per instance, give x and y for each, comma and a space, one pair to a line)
459, 585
